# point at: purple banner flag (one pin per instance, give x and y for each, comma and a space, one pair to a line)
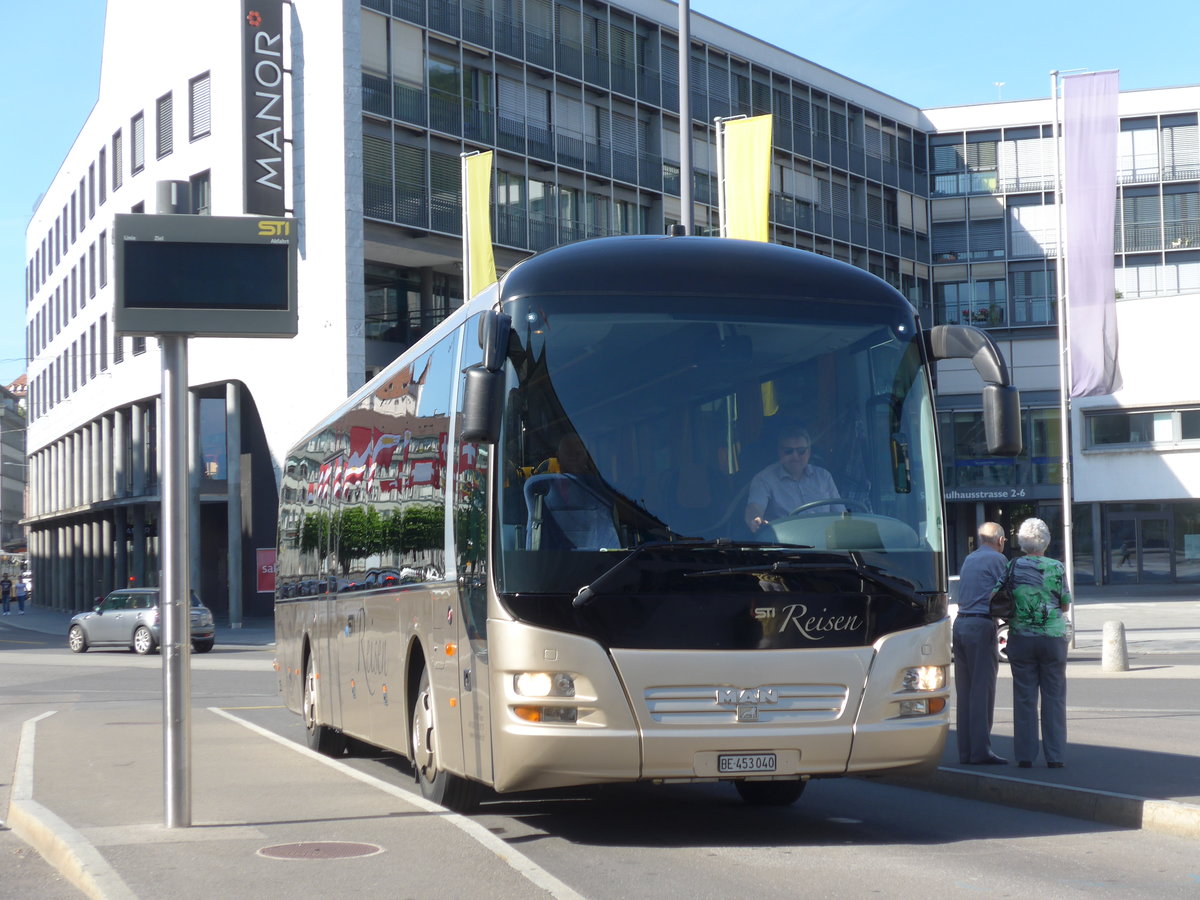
1089, 206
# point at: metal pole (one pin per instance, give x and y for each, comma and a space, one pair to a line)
687, 216
175, 594
1064, 367
719, 131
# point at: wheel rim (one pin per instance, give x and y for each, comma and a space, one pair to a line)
310, 698
422, 736
142, 640
75, 638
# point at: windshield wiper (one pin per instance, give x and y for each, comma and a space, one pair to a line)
853, 563
588, 591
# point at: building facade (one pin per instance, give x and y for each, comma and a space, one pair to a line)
355, 115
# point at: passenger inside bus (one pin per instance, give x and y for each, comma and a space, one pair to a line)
570, 509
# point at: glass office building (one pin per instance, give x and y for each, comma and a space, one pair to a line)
579, 100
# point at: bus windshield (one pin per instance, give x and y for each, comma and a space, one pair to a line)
635, 427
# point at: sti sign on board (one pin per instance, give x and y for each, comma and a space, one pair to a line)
205, 276
263, 106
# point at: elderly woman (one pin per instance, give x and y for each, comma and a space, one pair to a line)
1037, 648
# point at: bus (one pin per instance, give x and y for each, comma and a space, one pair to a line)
522, 558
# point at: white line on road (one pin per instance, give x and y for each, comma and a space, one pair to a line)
514, 858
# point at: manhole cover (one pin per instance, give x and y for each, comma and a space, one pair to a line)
320, 850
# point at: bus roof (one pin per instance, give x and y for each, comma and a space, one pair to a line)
713, 266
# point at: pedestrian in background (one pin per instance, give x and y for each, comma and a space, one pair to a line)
976, 656
1037, 649
22, 591
6, 591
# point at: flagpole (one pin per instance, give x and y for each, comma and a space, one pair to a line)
723, 224
466, 228
687, 213
1064, 367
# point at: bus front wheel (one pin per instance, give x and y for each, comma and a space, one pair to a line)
437, 785
321, 738
770, 793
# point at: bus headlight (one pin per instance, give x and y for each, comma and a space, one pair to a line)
924, 678
544, 684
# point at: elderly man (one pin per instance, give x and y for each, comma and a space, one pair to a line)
976, 657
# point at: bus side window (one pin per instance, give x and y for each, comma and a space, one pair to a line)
470, 506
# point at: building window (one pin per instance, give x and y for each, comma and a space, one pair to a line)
163, 126
201, 194
103, 166
103, 258
199, 107
117, 149
137, 128
1141, 428
104, 343
139, 346
91, 194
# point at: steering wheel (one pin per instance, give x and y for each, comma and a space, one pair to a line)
830, 501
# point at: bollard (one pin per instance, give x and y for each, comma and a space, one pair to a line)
1113, 657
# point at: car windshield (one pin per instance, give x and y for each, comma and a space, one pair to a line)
644, 420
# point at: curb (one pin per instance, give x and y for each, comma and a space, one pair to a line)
1104, 807
64, 848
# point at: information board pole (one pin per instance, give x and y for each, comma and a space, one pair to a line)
177, 637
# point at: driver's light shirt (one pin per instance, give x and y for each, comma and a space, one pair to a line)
778, 493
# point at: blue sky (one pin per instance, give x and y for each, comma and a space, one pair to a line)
50, 69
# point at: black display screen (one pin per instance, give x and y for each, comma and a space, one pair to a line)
193, 275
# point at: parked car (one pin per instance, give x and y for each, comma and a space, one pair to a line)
130, 618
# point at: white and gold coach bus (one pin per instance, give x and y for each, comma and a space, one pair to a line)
520, 556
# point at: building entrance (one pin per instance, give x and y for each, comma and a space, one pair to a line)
1139, 549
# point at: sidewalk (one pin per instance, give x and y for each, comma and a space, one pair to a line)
1131, 765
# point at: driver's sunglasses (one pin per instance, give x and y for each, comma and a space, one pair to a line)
788, 451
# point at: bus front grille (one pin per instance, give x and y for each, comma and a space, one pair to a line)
778, 704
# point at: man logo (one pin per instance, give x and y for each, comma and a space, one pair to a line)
274, 228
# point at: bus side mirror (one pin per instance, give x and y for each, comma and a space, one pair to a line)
483, 400
1001, 401
483, 404
1002, 419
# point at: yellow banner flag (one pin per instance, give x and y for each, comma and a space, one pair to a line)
477, 222
747, 148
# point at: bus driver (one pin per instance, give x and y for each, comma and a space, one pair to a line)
789, 483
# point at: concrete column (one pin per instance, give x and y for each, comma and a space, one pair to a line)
77, 468
56, 477
137, 432
61, 599
85, 577
426, 296
121, 548
85, 465
79, 593
106, 491
233, 475
137, 565
118, 453
96, 459
108, 553
195, 480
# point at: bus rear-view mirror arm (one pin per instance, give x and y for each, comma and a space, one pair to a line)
1001, 400
483, 400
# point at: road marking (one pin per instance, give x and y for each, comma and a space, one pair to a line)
506, 852
62, 846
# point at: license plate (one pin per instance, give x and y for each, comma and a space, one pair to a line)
744, 763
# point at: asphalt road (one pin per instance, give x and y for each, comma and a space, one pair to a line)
845, 838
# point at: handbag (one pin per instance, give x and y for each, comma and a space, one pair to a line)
1003, 603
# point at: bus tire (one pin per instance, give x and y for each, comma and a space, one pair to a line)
770, 793
437, 785
320, 737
